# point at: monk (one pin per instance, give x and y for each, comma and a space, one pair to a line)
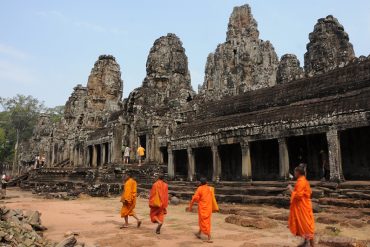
158, 202
128, 199
204, 196
301, 220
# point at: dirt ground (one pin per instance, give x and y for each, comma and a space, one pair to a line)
97, 221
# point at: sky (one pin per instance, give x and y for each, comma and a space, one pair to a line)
47, 47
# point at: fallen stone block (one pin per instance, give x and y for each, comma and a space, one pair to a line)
67, 242
338, 241
259, 223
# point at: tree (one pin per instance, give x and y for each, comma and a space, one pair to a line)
55, 113
21, 113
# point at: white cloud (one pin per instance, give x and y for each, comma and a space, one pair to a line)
80, 23
12, 52
11, 73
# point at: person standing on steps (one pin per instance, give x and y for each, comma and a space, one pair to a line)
4, 182
140, 153
325, 168
301, 221
126, 155
128, 199
158, 202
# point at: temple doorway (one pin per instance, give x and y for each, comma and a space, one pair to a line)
203, 162
106, 151
311, 150
356, 153
98, 155
142, 142
231, 162
265, 159
181, 163
90, 156
164, 153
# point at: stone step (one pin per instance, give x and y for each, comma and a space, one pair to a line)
357, 194
365, 191
358, 185
262, 191
345, 202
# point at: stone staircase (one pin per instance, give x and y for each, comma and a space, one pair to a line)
348, 194
107, 181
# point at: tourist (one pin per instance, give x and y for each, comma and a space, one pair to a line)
123, 148
42, 161
4, 182
325, 168
128, 199
126, 155
158, 202
207, 204
140, 153
37, 161
301, 220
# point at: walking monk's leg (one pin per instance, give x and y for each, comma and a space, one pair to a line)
137, 219
160, 224
126, 222
157, 216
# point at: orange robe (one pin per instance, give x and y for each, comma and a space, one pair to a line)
301, 220
128, 198
204, 197
159, 212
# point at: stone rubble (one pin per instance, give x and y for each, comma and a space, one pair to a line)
20, 228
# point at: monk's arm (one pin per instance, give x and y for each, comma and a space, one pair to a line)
127, 193
195, 198
299, 190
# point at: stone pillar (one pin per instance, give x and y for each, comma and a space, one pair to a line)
94, 156
87, 156
103, 154
81, 156
109, 152
246, 161
75, 158
335, 158
216, 163
191, 164
52, 156
283, 159
171, 165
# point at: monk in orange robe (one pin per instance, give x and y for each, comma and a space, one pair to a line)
158, 202
204, 196
128, 199
301, 220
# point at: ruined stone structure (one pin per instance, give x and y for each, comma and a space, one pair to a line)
289, 69
244, 62
255, 118
329, 47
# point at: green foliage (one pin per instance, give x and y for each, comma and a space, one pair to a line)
2, 143
19, 115
23, 113
55, 113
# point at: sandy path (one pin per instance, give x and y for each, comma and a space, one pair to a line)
97, 221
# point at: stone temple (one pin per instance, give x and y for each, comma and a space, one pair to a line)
254, 118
